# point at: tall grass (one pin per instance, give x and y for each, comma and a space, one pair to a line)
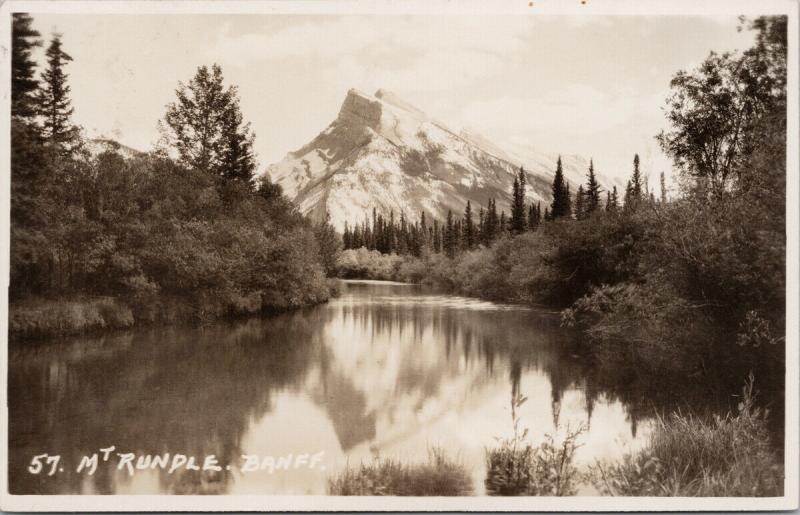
35, 318
516, 467
694, 456
439, 476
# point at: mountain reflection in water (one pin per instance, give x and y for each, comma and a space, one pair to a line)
386, 369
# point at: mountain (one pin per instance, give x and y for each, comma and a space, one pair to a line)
96, 146
382, 152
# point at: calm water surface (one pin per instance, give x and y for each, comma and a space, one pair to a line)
385, 370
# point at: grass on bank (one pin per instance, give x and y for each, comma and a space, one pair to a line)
515, 467
42, 318
438, 476
707, 457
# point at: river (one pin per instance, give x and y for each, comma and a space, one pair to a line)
386, 369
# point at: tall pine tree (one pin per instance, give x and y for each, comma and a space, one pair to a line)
561, 202
53, 102
468, 228
24, 39
592, 202
518, 221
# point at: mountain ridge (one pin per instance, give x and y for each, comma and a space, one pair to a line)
383, 152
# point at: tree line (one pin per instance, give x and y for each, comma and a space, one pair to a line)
464, 233
181, 231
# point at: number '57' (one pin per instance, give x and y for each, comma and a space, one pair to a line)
37, 465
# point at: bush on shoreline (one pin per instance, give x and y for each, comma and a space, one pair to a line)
687, 455
439, 476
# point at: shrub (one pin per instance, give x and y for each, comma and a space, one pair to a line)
518, 468
695, 456
439, 476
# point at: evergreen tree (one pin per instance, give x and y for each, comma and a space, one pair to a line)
547, 216
205, 126
561, 201
237, 159
568, 203
23, 68
492, 223
328, 243
468, 228
533, 217
518, 222
53, 102
423, 232
663, 189
346, 237
437, 238
481, 236
629, 195
592, 202
636, 180
581, 204
449, 240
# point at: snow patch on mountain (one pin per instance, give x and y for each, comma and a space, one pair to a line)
382, 152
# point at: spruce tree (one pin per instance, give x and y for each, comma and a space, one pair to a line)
581, 204
492, 223
24, 39
423, 231
568, 203
449, 240
481, 236
237, 158
629, 195
468, 228
53, 102
560, 206
592, 202
663, 189
533, 219
437, 239
636, 180
518, 221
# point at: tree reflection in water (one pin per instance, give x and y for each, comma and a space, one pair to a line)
388, 370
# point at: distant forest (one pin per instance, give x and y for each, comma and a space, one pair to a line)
456, 234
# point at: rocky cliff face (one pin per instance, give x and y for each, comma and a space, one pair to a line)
384, 153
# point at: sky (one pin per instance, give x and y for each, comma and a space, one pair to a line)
589, 85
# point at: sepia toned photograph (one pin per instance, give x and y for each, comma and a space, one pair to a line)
378, 256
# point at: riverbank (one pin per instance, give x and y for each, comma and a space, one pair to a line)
45, 318
685, 456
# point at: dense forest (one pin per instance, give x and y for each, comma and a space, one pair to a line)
103, 238
687, 281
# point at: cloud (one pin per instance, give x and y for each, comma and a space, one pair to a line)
411, 53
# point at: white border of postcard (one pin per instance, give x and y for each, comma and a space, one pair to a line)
433, 7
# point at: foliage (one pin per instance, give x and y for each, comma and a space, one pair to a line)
53, 102
36, 318
147, 231
515, 467
24, 83
206, 127
440, 476
688, 455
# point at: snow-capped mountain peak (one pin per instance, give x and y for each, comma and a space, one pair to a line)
382, 152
